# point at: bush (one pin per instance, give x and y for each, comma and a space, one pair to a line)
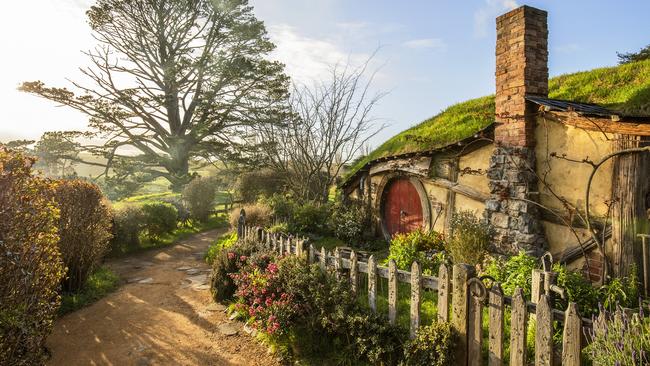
281, 228
257, 214
159, 218
226, 263
263, 183
420, 246
199, 195
225, 241
281, 206
84, 229
469, 240
433, 345
349, 222
31, 267
514, 272
127, 226
624, 341
310, 218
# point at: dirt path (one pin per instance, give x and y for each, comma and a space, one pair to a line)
162, 315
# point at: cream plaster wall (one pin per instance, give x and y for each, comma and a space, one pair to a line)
478, 159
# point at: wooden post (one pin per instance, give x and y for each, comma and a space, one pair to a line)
544, 333
354, 273
372, 283
443, 294
392, 292
287, 248
537, 286
644, 245
323, 259
571, 344
312, 253
518, 329
461, 273
495, 326
477, 294
338, 267
416, 288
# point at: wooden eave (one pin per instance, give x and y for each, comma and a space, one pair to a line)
624, 125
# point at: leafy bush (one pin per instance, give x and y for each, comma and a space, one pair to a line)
577, 289
433, 345
423, 247
310, 218
257, 214
225, 241
84, 229
263, 183
199, 195
281, 228
225, 263
469, 240
514, 272
349, 222
624, 341
621, 291
159, 218
31, 267
127, 226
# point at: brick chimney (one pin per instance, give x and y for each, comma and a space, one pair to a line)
521, 70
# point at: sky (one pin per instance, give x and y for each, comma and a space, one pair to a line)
430, 54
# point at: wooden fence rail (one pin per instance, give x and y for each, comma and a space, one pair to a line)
462, 298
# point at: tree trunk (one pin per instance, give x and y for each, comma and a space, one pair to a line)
630, 187
179, 165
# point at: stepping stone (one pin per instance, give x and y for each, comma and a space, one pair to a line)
193, 271
215, 306
227, 329
198, 279
249, 330
142, 265
201, 287
184, 268
134, 280
146, 280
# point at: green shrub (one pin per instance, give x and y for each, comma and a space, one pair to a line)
310, 218
226, 263
282, 206
621, 291
349, 222
31, 268
225, 241
127, 226
281, 228
577, 289
423, 247
625, 341
159, 218
257, 214
433, 345
199, 195
262, 183
84, 229
469, 240
514, 272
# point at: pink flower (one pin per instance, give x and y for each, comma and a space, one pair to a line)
272, 267
231, 255
243, 258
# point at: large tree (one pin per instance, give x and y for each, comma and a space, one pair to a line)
171, 81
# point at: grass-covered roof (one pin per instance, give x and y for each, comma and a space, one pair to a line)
624, 88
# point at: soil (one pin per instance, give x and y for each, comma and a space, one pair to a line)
163, 314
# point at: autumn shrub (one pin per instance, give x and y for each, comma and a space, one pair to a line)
84, 229
433, 345
159, 218
424, 247
199, 196
469, 239
128, 223
257, 214
226, 262
31, 267
623, 340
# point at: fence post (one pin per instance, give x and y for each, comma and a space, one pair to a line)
312, 253
518, 328
392, 292
461, 273
544, 333
571, 336
372, 283
323, 259
495, 326
354, 274
337, 263
416, 289
475, 321
287, 247
259, 235
267, 240
443, 294
537, 285
281, 246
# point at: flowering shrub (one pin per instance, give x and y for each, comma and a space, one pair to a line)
623, 341
469, 239
225, 241
423, 247
225, 263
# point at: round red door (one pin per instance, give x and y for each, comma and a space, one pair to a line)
402, 207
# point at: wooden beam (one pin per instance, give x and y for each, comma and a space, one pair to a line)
460, 188
608, 125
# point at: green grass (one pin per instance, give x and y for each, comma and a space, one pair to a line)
180, 233
100, 283
624, 88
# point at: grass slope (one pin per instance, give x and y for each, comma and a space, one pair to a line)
624, 88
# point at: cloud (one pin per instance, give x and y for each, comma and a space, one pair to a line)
307, 58
425, 43
490, 10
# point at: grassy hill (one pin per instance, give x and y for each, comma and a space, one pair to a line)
624, 88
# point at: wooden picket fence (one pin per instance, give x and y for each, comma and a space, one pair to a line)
462, 298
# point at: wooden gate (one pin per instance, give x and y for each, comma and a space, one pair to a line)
402, 208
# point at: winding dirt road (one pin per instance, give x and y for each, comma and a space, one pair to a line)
162, 315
